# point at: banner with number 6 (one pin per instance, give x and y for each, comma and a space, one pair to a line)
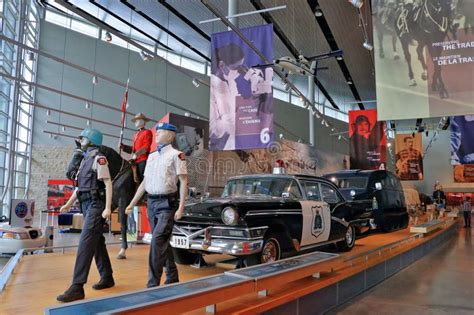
241, 105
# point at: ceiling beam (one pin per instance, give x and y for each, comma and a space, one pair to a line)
323, 24
155, 23
184, 19
129, 24
285, 40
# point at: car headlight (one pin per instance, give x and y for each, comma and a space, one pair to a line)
230, 216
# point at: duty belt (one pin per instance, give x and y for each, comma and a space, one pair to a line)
163, 196
94, 194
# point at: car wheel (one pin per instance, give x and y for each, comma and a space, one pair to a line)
271, 251
183, 256
349, 240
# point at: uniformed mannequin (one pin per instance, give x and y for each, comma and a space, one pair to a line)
94, 191
164, 167
141, 144
140, 150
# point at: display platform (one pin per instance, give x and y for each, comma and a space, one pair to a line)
39, 279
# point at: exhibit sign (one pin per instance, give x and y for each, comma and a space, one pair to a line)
409, 156
424, 58
367, 140
22, 212
59, 192
462, 139
241, 101
463, 173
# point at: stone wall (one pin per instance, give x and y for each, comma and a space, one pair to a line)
48, 162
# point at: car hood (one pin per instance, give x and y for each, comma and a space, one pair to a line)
211, 208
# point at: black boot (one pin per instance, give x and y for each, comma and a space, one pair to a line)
170, 281
75, 292
104, 284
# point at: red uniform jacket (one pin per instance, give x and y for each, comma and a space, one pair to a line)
142, 139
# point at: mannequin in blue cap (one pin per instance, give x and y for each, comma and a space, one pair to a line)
94, 191
164, 168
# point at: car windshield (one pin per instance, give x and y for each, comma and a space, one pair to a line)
350, 182
263, 187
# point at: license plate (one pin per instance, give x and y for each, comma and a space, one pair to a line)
179, 242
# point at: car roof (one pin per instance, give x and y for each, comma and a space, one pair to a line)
352, 173
294, 176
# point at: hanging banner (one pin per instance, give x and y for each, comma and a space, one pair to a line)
241, 109
463, 173
462, 140
367, 140
409, 156
424, 58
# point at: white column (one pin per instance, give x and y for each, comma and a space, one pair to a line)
232, 10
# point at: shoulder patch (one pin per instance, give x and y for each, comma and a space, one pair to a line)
182, 157
102, 161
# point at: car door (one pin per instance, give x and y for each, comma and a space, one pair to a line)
330, 196
316, 215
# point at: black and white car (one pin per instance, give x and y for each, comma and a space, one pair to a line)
263, 218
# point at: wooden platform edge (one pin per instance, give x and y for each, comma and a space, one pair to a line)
307, 286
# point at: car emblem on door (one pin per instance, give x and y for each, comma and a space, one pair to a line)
318, 222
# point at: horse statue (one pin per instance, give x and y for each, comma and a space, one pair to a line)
426, 22
384, 14
123, 184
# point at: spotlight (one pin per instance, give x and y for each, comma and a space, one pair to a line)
301, 98
95, 80
108, 37
349, 82
368, 45
186, 114
31, 56
326, 124
318, 12
356, 3
196, 82
88, 122
332, 129
306, 105
145, 56
281, 136
63, 128
339, 137
322, 122
339, 58
389, 145
88, 105
48, 112
317, 114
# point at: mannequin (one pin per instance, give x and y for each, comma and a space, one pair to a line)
164, 168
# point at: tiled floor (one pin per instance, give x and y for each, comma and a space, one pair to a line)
440, 283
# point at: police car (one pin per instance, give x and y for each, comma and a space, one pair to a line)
12, 239
264, 218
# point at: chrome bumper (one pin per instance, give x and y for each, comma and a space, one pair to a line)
219, 240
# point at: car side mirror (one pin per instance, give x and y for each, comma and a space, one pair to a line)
378, 186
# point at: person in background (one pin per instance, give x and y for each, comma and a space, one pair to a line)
439, 198
467, 208
165, 202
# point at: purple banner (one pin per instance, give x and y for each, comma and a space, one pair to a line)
241, 107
